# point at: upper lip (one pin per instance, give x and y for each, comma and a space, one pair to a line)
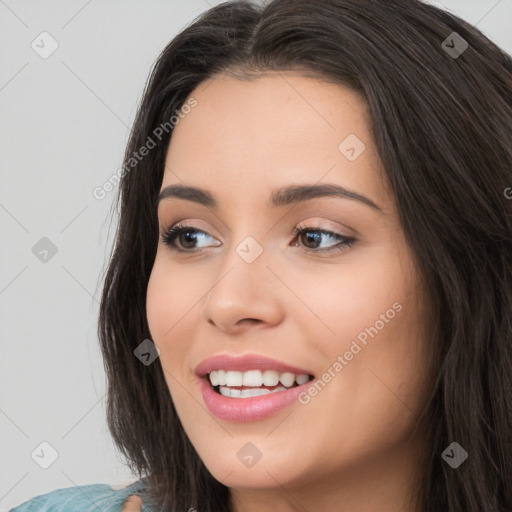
244, 363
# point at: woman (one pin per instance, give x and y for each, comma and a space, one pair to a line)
308, 306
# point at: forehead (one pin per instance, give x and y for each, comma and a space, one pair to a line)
249, 136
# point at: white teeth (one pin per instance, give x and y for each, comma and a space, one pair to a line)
246, 393
252, 378
256, 378
270, 378
302, 378
214, 378
233, 378
218, 378
287, 379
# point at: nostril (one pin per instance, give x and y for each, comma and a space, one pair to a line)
248, 320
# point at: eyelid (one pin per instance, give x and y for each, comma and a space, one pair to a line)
192, 223
195, 224
344, 243
176, 229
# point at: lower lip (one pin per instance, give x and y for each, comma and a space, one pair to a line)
249, 409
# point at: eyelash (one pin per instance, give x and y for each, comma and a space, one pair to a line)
345, 242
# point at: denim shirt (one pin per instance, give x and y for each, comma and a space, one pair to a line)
83, 498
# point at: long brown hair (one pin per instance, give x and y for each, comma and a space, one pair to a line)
441, 118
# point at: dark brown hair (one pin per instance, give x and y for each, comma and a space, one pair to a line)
442, 126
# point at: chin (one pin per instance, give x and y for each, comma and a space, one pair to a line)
246, 466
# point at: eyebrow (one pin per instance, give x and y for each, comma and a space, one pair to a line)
280, 197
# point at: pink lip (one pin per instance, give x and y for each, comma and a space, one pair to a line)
248, 409
244, 363
253, 408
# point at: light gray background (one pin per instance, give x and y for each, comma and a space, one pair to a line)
64, 125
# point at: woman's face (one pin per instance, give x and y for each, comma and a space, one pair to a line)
241, 283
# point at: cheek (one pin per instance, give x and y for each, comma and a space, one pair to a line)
166, 312
345, 301
158, 296
173, 302
372, 311
169, 299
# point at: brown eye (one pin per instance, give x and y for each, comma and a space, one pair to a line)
310, 237
183, 238
187, 241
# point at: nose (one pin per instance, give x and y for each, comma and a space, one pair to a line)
244, 295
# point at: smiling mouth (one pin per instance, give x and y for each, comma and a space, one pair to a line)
251, 383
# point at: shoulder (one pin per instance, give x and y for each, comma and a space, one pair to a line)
82, 498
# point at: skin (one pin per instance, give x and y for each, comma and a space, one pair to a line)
132, 504
350, 448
